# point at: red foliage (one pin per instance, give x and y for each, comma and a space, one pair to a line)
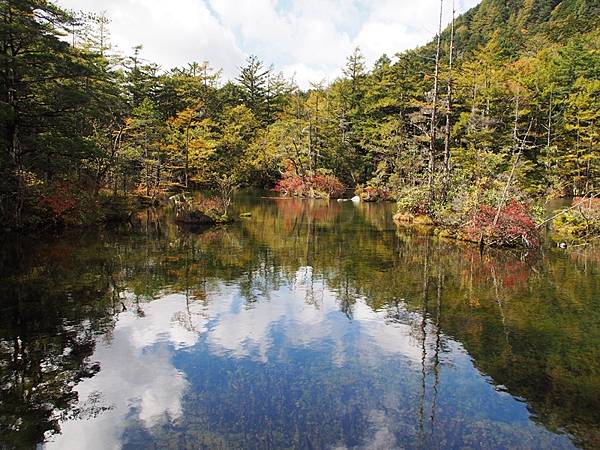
503, 268
515, 226
59, 200
290, 185
312, 186
373, 194
328, 184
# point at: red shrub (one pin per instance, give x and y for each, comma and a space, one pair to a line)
60, 200
328, 184
514, 226
374, 194
312, 186
290, 186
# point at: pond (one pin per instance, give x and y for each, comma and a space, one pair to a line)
308, 325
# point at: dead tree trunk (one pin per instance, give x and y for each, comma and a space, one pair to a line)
448, 110
434, 106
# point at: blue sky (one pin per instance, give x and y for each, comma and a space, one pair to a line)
307, 39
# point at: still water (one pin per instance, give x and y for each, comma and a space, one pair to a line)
308, 325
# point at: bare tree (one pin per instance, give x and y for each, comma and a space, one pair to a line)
449, 108
434, 106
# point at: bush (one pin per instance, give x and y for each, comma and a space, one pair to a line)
203, 211
59, 200
374, 194
316, 186
328, 184
514, 227
290, 186
414, 200
579, 224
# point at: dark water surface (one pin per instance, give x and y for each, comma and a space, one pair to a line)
309, 325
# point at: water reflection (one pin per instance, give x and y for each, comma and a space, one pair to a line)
137, 381
308, 326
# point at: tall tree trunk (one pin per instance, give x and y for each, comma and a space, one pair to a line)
549, 137
317, 133
434, 106
147, 164
516, 155
448, 110
10, 94
187, 152
517, 152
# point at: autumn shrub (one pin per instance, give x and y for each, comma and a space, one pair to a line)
316, 186
512, 226
414, 200
57, 203
328, 184
374, 193
203, 210
290, 186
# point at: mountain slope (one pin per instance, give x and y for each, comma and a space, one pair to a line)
525, 24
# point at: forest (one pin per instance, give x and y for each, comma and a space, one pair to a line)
339, 308
476, 130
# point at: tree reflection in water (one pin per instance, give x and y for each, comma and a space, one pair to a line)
311, 324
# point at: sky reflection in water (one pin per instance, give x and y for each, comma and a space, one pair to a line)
314, 327
172, 353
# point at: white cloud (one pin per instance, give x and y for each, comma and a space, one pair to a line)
139, 381
397, 25
172, 33
137, 375
306, 38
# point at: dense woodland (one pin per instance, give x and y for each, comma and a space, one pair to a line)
502, 106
